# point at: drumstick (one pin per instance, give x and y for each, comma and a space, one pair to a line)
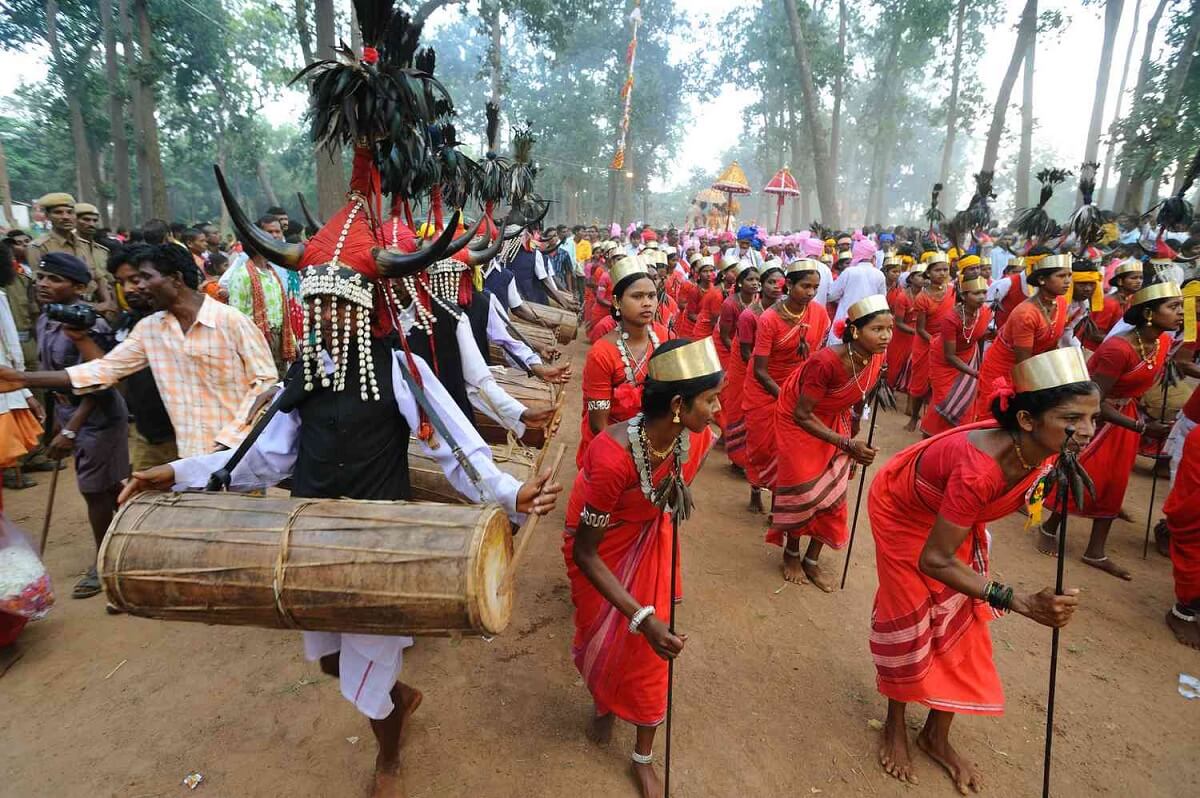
525, 533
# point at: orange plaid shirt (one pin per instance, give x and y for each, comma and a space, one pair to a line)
208, 377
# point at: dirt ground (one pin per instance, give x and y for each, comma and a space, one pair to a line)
774, 693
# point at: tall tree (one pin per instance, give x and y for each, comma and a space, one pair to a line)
122, 179
1112, 139
69, 68
154, 191
1112, 21
6, 190
812, 117
839, 81
1026, 29
331, 180
952, 105
1025, 150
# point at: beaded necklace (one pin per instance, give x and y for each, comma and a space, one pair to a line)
631, 369
968, 325
638, 444
1141, 348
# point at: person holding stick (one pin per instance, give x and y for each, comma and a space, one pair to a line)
619, 541
1126, 366
954, 357
928, 508
817, 417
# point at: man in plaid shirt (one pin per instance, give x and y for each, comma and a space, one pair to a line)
209, 360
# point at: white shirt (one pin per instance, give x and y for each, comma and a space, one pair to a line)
856, 282
11, 357
513, 298
1000, 258
515, 350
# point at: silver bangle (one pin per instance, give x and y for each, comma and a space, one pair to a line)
594, 520
599, 404
639, 616
643, 759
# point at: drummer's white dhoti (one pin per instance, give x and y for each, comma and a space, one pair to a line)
369, 666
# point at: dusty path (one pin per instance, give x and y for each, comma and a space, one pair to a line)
774, 693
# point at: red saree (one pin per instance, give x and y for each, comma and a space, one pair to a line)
899, 362
605, 387
1026, 328
735, 385
1183, 520
935, 310
620, 669
954, 392
930, 643
811, 476
1109, 457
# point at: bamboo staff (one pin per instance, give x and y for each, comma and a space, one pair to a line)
1162, 417
890, 401
671, 662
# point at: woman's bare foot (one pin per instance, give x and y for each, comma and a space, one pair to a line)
964, 774
388, 785
1108, 566
599, 729
1186, 632
793, 568
1046, 543
756, 503
648, 780
893, 752
812, 569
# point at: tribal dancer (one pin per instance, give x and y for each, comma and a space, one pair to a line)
746, 285
954, 357
1034, 326
616, 364
1125, 366
1183, 522
741, 353
816, 420
788, 333
902, 301
933, 304
618, 545
928, 507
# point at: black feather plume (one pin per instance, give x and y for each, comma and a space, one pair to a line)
493, 171
1086, 222
373, 18
1175, 211
1035, 222
934, 215
524, 170
978, 214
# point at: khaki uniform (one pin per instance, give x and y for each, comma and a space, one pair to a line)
91, 253
23, 302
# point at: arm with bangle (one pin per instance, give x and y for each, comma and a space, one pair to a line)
807, 420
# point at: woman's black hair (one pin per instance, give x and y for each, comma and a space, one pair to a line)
798, 275
1137, 315
657, 396
8, 272
623, 284
742, 276
860, 322
1038, 402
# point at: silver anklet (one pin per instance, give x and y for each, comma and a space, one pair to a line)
1182, 616
808, 561
642, 759
1086, 558
787, 553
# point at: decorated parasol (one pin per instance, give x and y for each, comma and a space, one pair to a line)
732, 181
782, 185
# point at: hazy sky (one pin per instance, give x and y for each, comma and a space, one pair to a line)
1066, 70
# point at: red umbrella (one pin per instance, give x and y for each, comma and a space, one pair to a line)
782, 185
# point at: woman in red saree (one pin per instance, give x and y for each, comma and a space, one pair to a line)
1035, 326
616, 364
745, 294
741, 353
933, 304
618, 545
708, 304
787, 334
954, 357
1125, 367
816, 418
1183, 522
902, 301
928, 507
692, 294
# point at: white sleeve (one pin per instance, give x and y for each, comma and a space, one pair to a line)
238, 260
485, 394
270, 460
494, 485
878, 283
998, 290
539, 266
8, 334
837, 288
497, 330
515, 300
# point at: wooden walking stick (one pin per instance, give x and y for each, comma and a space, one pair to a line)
49, 507
671, 662
1167, 381
880, 392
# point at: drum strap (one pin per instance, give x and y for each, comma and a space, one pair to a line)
436, 421
285, 539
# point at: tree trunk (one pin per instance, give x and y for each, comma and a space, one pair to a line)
1139, 91
331, 177
264, 180
122, 181
303, 32
137, 100
883, 132
6, 205
493, 53
1112, 21
1025, 31
812, 117
158, 182
1112, 142
835, 123
355, 34
952, 106
85, 187
1025, 152
1167, 118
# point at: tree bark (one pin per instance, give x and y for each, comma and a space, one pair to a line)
304, 32
1139, 91
331, 178
264, 180
1025, 152
159, 206
812, 117
1112, 142
493, 54
1025, 31
6, 190
952, 106
428, 7
883, 133
137, 100
835, 123
122, 181
355, 32
85, 186
1112, 21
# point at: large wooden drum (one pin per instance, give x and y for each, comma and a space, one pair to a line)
566, 323
429, 484
527, 390
532, 333
334, 565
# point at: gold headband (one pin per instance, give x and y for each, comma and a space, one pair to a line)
1051, 369
1128, 266
705, 261
1047, 263
866, 306
1097, 295
892, 261
971, 286
1191, 292
803, 265
626, 266
1150, 293
729, 263
918, 268
687, 362
748, 267
935, 257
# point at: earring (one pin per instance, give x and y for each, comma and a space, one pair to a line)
676, 418
854, 333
